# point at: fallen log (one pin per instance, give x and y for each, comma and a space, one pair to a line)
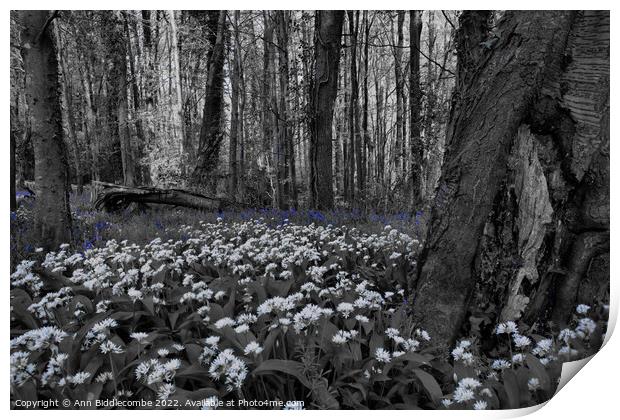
118, 197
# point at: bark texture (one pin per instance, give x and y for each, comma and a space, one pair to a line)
211, 129
43, 93
523, 203
328, 32
118, 197
490, 108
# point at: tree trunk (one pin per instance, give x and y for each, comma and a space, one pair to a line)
328, 31
211, 130
135, 93
117, 50
268, 122
67, 106
234, 112
489, 111
365, 130
119, 197
415, 104
13, 140
398, 78
356, 137
52, 215
176, 76
286, 153
90, 123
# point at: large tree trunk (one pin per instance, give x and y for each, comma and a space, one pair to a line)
328, 31
52, 215
211, 130
490, 108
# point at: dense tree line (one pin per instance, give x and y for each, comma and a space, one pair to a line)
285, 109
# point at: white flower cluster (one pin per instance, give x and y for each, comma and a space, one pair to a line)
230, 367
24, 277
155, 372
40, 339
45, 307
462, 354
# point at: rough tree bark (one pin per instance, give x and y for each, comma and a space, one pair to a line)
211, 134
119, 197
52, 215
496, 100
328, 31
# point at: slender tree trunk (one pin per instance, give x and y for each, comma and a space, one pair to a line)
117, 51
69, 120
242, 131
398, 78
176, 73
415, 104
286, 152
268, 121
89, 120
328, 31
355, 135
234, 112
365, 130
135, 93
52, 215
347, 180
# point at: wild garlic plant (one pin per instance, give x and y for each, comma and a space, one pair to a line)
248, 310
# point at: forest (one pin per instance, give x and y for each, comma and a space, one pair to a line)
360, 209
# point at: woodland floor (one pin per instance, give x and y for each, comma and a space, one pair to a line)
189, 309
